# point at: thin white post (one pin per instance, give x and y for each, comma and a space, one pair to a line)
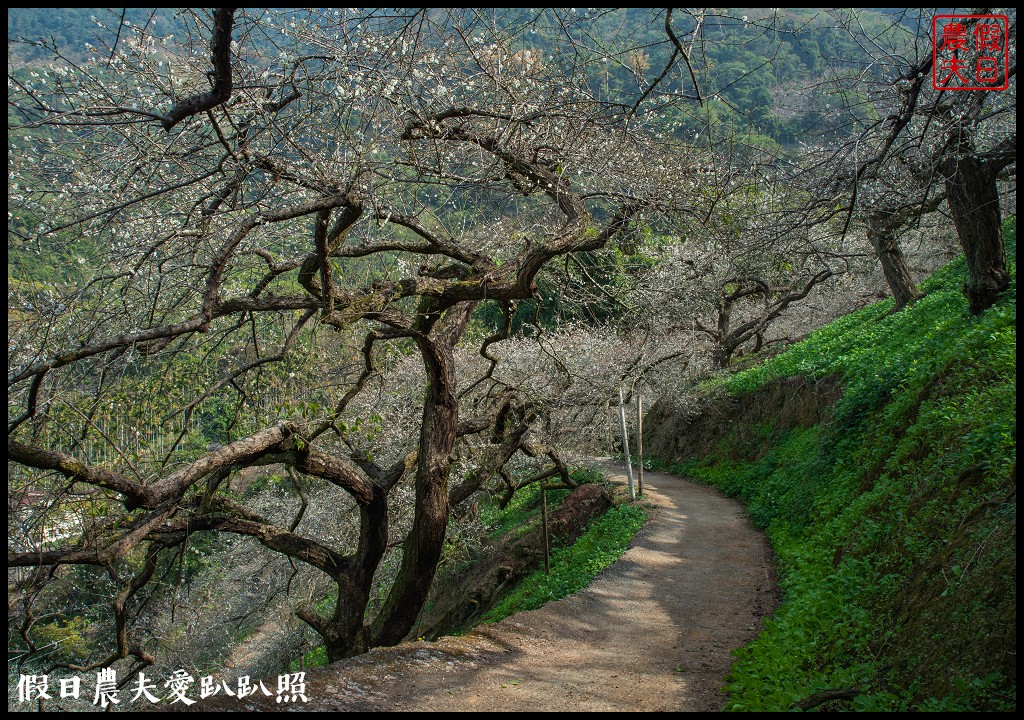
640, 440
625, 445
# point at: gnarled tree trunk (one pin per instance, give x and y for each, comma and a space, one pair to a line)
344, 633
974, 204
882, 236
422, 549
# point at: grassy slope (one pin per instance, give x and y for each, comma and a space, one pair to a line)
575, 566
895, 522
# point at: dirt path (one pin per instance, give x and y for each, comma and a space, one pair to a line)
653, 632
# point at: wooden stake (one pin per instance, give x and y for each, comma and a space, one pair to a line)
544, 517
608, 426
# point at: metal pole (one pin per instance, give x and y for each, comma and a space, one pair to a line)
640, 440
625, 445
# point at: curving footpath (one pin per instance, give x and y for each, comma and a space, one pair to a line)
652, 633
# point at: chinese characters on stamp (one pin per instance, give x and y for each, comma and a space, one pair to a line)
970, 52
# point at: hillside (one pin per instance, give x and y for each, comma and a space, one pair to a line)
880, 457
763, 65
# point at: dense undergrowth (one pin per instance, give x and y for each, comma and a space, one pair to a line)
894, 522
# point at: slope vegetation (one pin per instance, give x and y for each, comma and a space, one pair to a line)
880, 457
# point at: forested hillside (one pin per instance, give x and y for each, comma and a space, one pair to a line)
761, 68
298, 297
